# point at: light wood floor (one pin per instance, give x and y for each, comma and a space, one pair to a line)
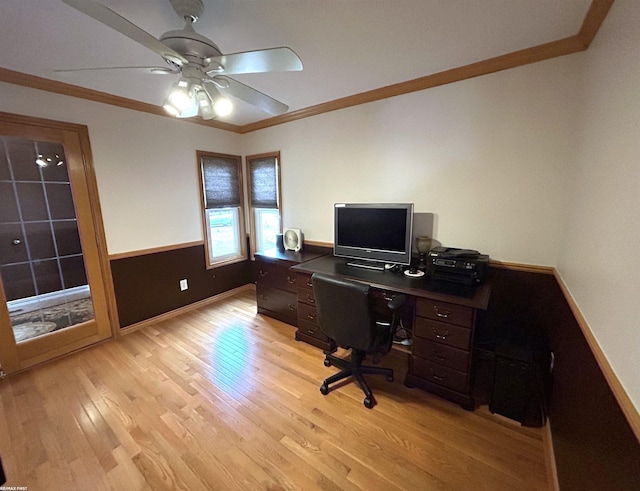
223, 398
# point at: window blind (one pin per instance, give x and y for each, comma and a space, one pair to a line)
264, 182
221, 180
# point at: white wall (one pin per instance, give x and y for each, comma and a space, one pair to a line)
599, 252
145, 165
490, 157
487, 156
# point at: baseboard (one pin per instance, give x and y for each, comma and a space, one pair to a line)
550, 458
192, 306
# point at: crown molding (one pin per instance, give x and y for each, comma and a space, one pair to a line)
515, 59
581, 41
57, 87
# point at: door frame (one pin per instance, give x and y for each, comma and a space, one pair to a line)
16, 357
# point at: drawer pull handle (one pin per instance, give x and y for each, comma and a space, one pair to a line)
438, 356
439, 378
311, 331
291, 279
311, 317
309, 284
263, 273
388, 297
444, 314
311, 299
440, 336
293, 306
264, 297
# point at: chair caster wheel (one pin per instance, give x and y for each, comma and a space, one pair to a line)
369, 402
389, 378
324, 389
327, 362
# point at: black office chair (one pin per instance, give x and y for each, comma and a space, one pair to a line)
345, 314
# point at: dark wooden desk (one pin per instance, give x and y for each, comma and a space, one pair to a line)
276, 289
443, 316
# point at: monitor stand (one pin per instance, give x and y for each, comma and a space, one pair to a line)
367, 265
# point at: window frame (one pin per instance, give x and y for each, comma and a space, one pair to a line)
253, 233
241, 255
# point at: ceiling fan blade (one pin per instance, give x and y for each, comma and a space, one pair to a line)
259, 61
115, 21
250, 95
148, 69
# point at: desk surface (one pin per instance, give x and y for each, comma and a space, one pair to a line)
289, 256
475, 297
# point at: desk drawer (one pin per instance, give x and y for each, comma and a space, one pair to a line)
277, 300
307, 313
275, 275
441, 354
305, 296
438, 374
311, 329
441, 332
303, 280
445, 312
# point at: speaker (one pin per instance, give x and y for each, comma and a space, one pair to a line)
292, 239
280, 242
422, 226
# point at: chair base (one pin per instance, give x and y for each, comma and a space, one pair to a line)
354, 367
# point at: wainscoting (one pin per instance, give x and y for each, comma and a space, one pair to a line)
147, 285
594, 446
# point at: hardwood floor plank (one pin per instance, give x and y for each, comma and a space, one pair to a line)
223, 398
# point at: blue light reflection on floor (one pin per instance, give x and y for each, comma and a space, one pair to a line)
230, 359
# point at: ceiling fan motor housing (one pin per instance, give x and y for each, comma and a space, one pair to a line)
188, 10
193, 46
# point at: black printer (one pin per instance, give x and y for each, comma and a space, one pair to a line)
463, 266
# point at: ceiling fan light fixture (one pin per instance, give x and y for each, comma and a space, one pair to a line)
41, 161
192, 109
170, 108
222, 106
205, 105
181, 94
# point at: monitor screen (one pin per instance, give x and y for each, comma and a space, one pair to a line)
374, 232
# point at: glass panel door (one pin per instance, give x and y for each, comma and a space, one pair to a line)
48, 248
41, 262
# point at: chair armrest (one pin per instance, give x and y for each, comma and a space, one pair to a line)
396, 302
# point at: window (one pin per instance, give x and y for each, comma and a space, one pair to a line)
264, 196
223, 215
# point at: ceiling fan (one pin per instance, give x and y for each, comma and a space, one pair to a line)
202, 67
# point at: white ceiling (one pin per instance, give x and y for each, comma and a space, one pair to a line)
347, 46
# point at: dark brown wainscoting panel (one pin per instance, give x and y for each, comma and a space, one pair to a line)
148, 285
594, 446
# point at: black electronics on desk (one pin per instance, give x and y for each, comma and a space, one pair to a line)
463, 266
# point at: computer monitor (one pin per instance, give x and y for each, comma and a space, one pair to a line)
373, 234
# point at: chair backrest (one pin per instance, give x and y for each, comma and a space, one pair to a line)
344, 311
